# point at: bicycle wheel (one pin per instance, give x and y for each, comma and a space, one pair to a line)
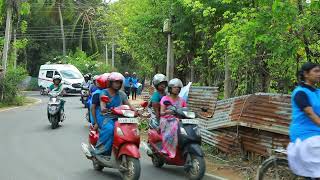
276, 169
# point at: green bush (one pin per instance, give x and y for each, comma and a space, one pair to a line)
10, 84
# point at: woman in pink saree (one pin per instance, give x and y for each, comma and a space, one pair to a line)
168, 121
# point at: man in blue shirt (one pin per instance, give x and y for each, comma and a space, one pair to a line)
134, 82
127, 83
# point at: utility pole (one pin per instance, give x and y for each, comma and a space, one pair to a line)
15, 49
112, 52
62, 32
170, 53
227, 78
107, 54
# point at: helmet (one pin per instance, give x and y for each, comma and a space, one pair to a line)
174, 83
158, 78
126, 73
55, 77
134, 73
102, 81
86, 77
89, 74
115, 76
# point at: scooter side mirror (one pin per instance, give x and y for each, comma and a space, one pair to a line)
144, 104
167, 103
105, 99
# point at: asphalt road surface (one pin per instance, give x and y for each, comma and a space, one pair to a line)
31, 150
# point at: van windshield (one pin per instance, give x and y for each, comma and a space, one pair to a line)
69, 74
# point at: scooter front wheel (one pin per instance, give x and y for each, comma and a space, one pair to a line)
198, 168
133, 169
54, 122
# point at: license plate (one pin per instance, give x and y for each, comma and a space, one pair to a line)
78, 89
189, 121
128, 120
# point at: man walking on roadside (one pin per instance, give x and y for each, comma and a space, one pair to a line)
127, 83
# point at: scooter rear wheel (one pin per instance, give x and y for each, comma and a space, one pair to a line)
196, 172
96, 166
157, 162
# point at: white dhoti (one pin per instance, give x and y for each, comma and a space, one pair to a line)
304, 157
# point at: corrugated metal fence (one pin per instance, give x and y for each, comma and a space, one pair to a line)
254, 123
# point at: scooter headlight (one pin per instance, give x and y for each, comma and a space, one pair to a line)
53, 108
183, 131
128, 113
119, 132
188, 114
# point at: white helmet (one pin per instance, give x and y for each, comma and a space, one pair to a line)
159, 78
175, 83
55, 77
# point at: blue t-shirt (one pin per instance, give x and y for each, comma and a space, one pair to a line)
96, 99
134, 82
302, 126
156, 97
127, 81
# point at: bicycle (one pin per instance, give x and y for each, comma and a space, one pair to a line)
276, 167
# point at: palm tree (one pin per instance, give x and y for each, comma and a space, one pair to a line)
58, 5
12, 6
85, 20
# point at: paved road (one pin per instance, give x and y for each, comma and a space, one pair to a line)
30, 150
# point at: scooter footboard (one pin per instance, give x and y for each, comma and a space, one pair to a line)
194, 149
130, 150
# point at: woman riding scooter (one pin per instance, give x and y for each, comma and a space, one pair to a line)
168, 122
106, 123
57, 87
102, 83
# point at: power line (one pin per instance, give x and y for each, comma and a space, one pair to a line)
47, 39
67, 30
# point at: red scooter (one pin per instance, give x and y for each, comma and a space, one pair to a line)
125, 149
188, 154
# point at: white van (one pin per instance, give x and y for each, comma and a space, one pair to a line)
72, 78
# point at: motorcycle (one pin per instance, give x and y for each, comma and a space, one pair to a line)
125, 149
54, 111
84, 96
188, 153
